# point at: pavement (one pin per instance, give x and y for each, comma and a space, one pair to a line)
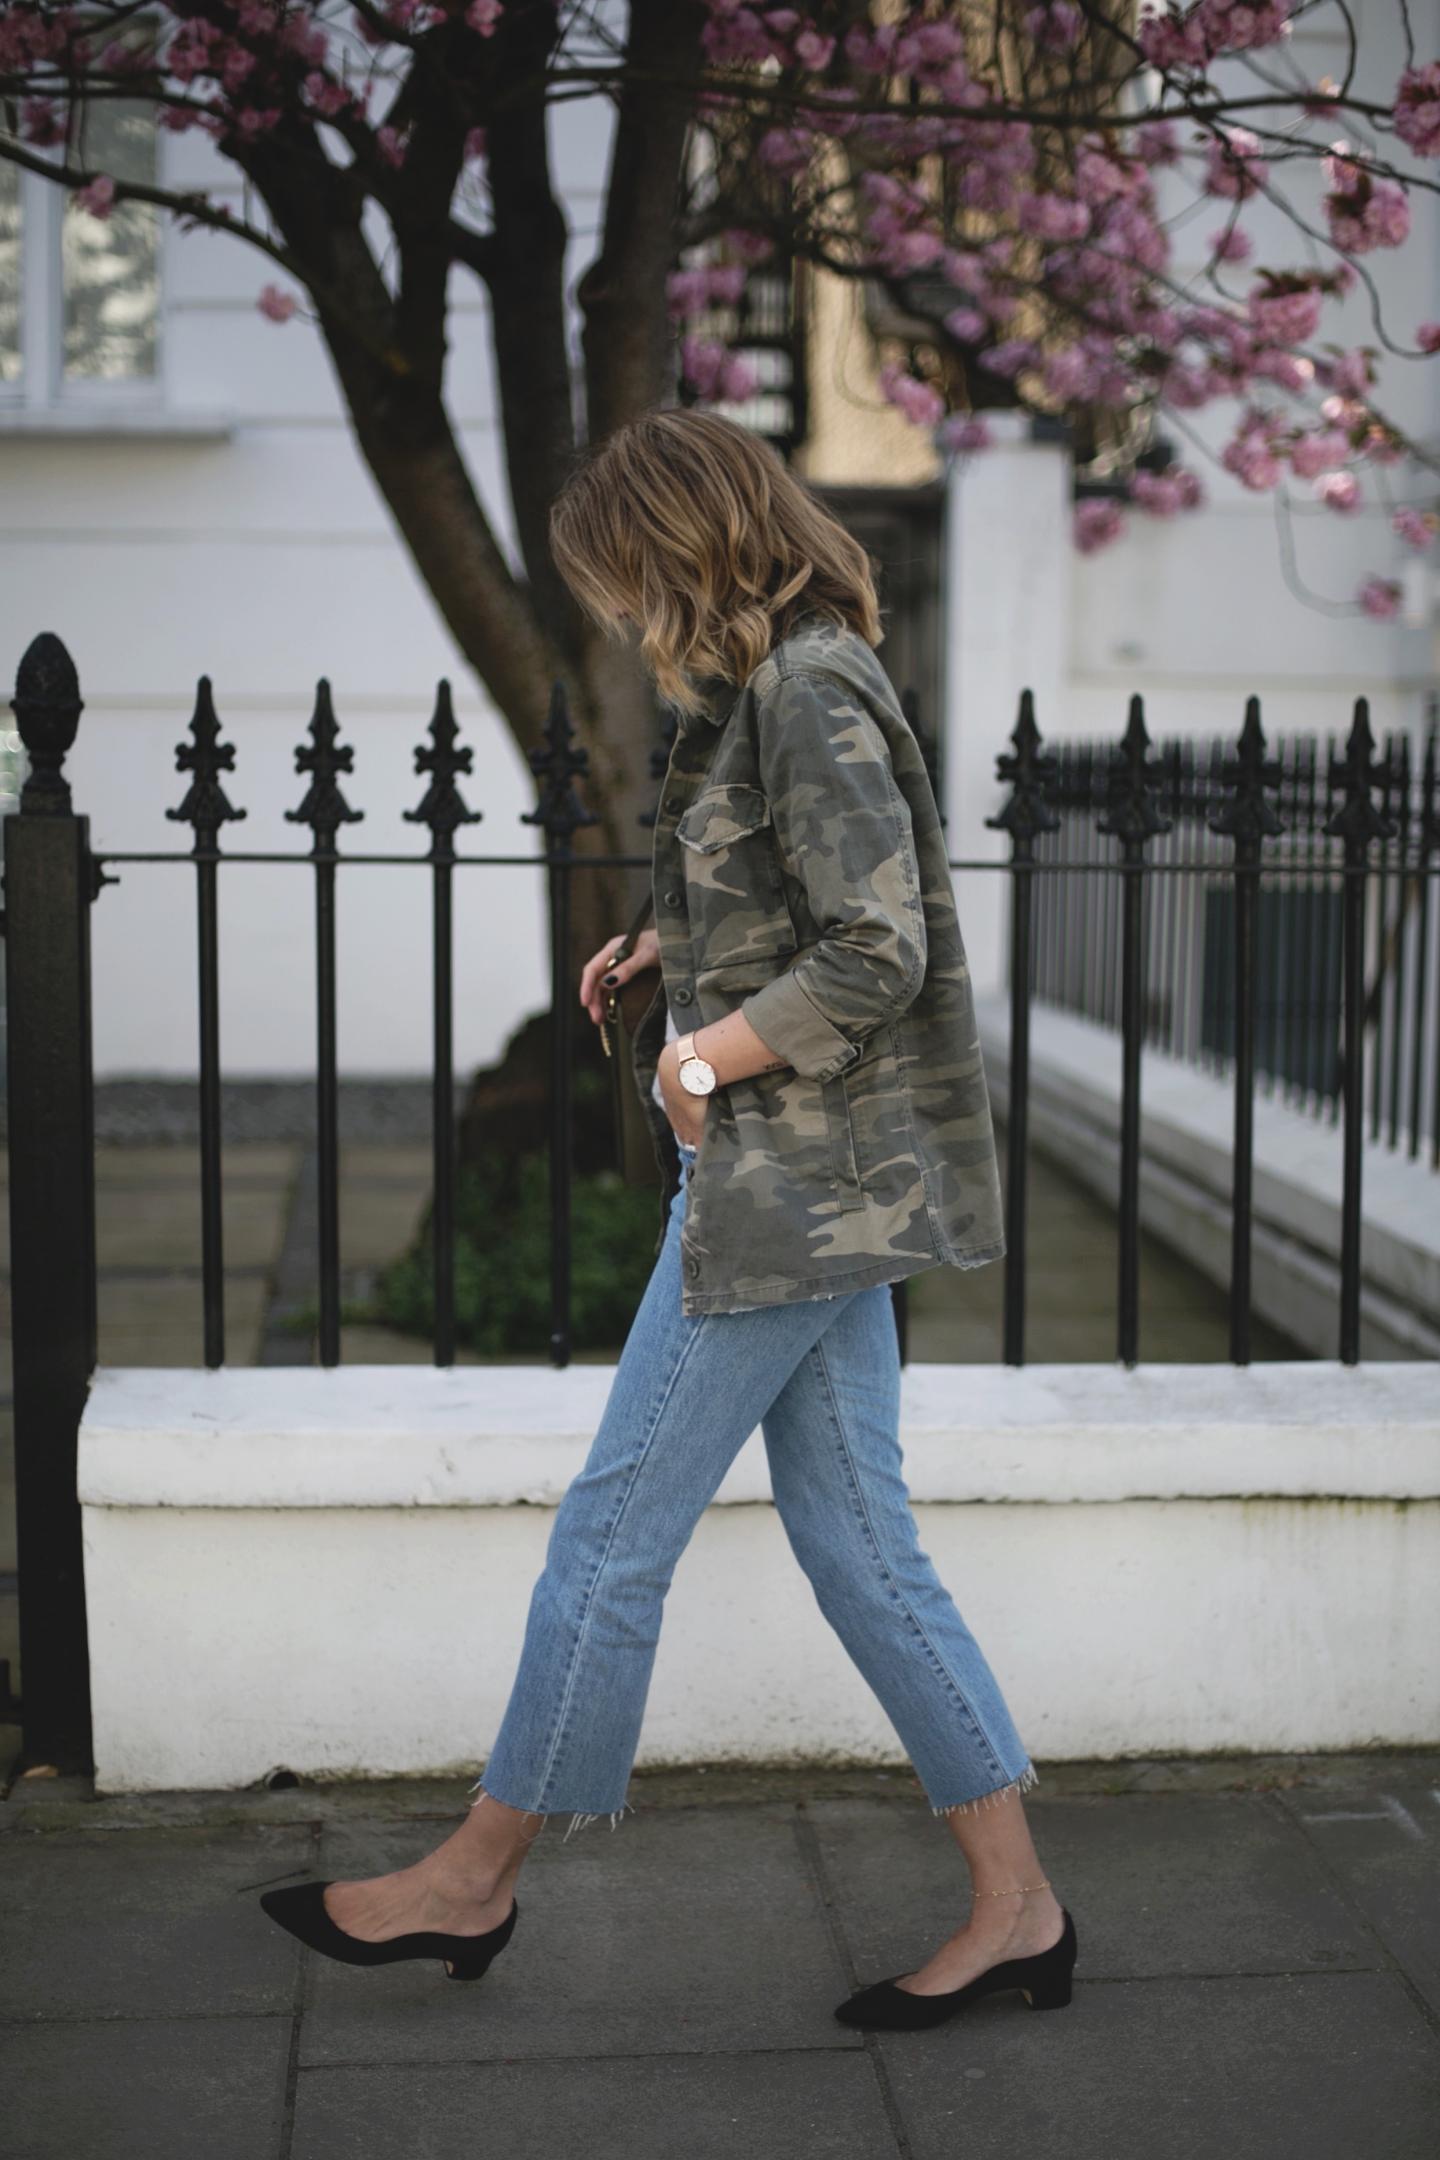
1258, 1979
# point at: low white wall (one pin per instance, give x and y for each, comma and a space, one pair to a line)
331, 1570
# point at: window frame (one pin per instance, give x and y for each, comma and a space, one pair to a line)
43, 387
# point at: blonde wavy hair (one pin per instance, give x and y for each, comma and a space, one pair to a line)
690, 526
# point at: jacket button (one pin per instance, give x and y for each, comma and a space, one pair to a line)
674, 802
673, 898
682, 996
692, 1267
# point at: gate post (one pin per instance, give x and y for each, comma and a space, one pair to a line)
49, 885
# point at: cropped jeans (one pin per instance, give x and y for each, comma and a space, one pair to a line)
822, 1379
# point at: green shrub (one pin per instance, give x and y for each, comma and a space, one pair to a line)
502, 1260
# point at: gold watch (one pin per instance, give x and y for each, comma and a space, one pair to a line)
696, 1074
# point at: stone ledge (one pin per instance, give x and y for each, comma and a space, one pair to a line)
387, 1436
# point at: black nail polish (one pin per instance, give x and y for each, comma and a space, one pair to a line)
608, 979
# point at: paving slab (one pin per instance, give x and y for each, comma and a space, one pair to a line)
704, 2107
166, 2089
687, 1933
1162, 1884
159, 1319
1383, 1846
158, 1225
146, 1923
1324, 2066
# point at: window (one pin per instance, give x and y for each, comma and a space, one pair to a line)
79, 294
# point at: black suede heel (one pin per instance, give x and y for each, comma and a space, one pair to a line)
1043, 1980
300, 1910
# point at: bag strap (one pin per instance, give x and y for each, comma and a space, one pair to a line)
627, 946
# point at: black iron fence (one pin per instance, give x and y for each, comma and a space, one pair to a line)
1105, 927
1189, 994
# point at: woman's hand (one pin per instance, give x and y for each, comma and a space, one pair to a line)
592, 995
686, 1112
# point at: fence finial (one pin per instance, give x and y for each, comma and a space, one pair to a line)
1029, 770
206, 806
1249, 817
558, 761
443, 807
324, 809
47, 706
1132, 814
1359, 820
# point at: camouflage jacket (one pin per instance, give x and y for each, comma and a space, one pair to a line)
799, 873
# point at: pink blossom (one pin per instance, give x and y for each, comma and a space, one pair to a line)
1054, 28
98, 198
872, 50
1166, 494
813, 49
748, 247
785, 150
1291, 370
965, 434
1157, 142
1364, 212
392, 146
1071, 374
1243, 25
1250, 454
1427, 337
1097, 523
920, 402
1417, 109
1231, 245
476, 143
484, 16
1381, 598
1234, 167
1054, 217
715, 373
41, 122
1173, 41
275, 305
1099, 177
1320, 451
324, 96
1339, 491
1010, 356
1417, 528
1284, 311
967, 325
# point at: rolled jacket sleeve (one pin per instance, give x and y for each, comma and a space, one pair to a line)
843, 829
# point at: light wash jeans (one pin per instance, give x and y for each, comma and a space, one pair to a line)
822, 1379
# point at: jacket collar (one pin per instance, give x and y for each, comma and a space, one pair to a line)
720, 696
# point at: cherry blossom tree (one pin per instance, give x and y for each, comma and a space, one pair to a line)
1009, 186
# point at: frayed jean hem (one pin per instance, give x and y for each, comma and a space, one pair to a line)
579, 1819
1028, 1776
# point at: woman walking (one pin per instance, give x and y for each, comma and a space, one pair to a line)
814, 1081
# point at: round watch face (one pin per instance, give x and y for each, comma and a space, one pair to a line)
696, 1076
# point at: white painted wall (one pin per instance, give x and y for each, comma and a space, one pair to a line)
248, 542
229, 527
332, 1570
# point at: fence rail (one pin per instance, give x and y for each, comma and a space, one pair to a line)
1095, 843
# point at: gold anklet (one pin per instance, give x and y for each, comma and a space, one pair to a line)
1016, 1892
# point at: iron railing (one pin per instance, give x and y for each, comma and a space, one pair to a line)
53, 877
1191, 1004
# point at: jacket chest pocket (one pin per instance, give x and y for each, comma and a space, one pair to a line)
733, 887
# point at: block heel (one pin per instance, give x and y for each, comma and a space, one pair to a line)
1054, 1995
